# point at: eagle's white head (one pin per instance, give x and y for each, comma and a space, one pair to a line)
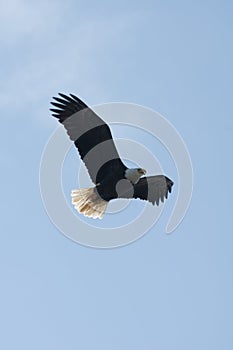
134, 174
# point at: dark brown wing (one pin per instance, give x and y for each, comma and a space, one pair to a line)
151, 188
91, 136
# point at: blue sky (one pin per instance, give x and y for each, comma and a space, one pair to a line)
161, 292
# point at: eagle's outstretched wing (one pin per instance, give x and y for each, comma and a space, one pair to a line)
91, 136
153, 188
150, 188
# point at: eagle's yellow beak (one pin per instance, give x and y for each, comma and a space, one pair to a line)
142, 171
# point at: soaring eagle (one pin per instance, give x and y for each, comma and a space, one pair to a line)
112, 179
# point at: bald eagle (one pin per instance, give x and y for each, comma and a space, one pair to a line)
112, 178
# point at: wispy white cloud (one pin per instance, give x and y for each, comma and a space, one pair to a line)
22, 20
46, 51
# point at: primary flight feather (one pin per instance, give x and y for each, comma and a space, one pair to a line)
112, 178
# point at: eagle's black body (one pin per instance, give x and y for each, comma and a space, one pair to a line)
93, 139
107, 178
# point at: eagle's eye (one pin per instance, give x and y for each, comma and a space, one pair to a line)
142, 171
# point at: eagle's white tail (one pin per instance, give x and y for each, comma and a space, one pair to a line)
87, 202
